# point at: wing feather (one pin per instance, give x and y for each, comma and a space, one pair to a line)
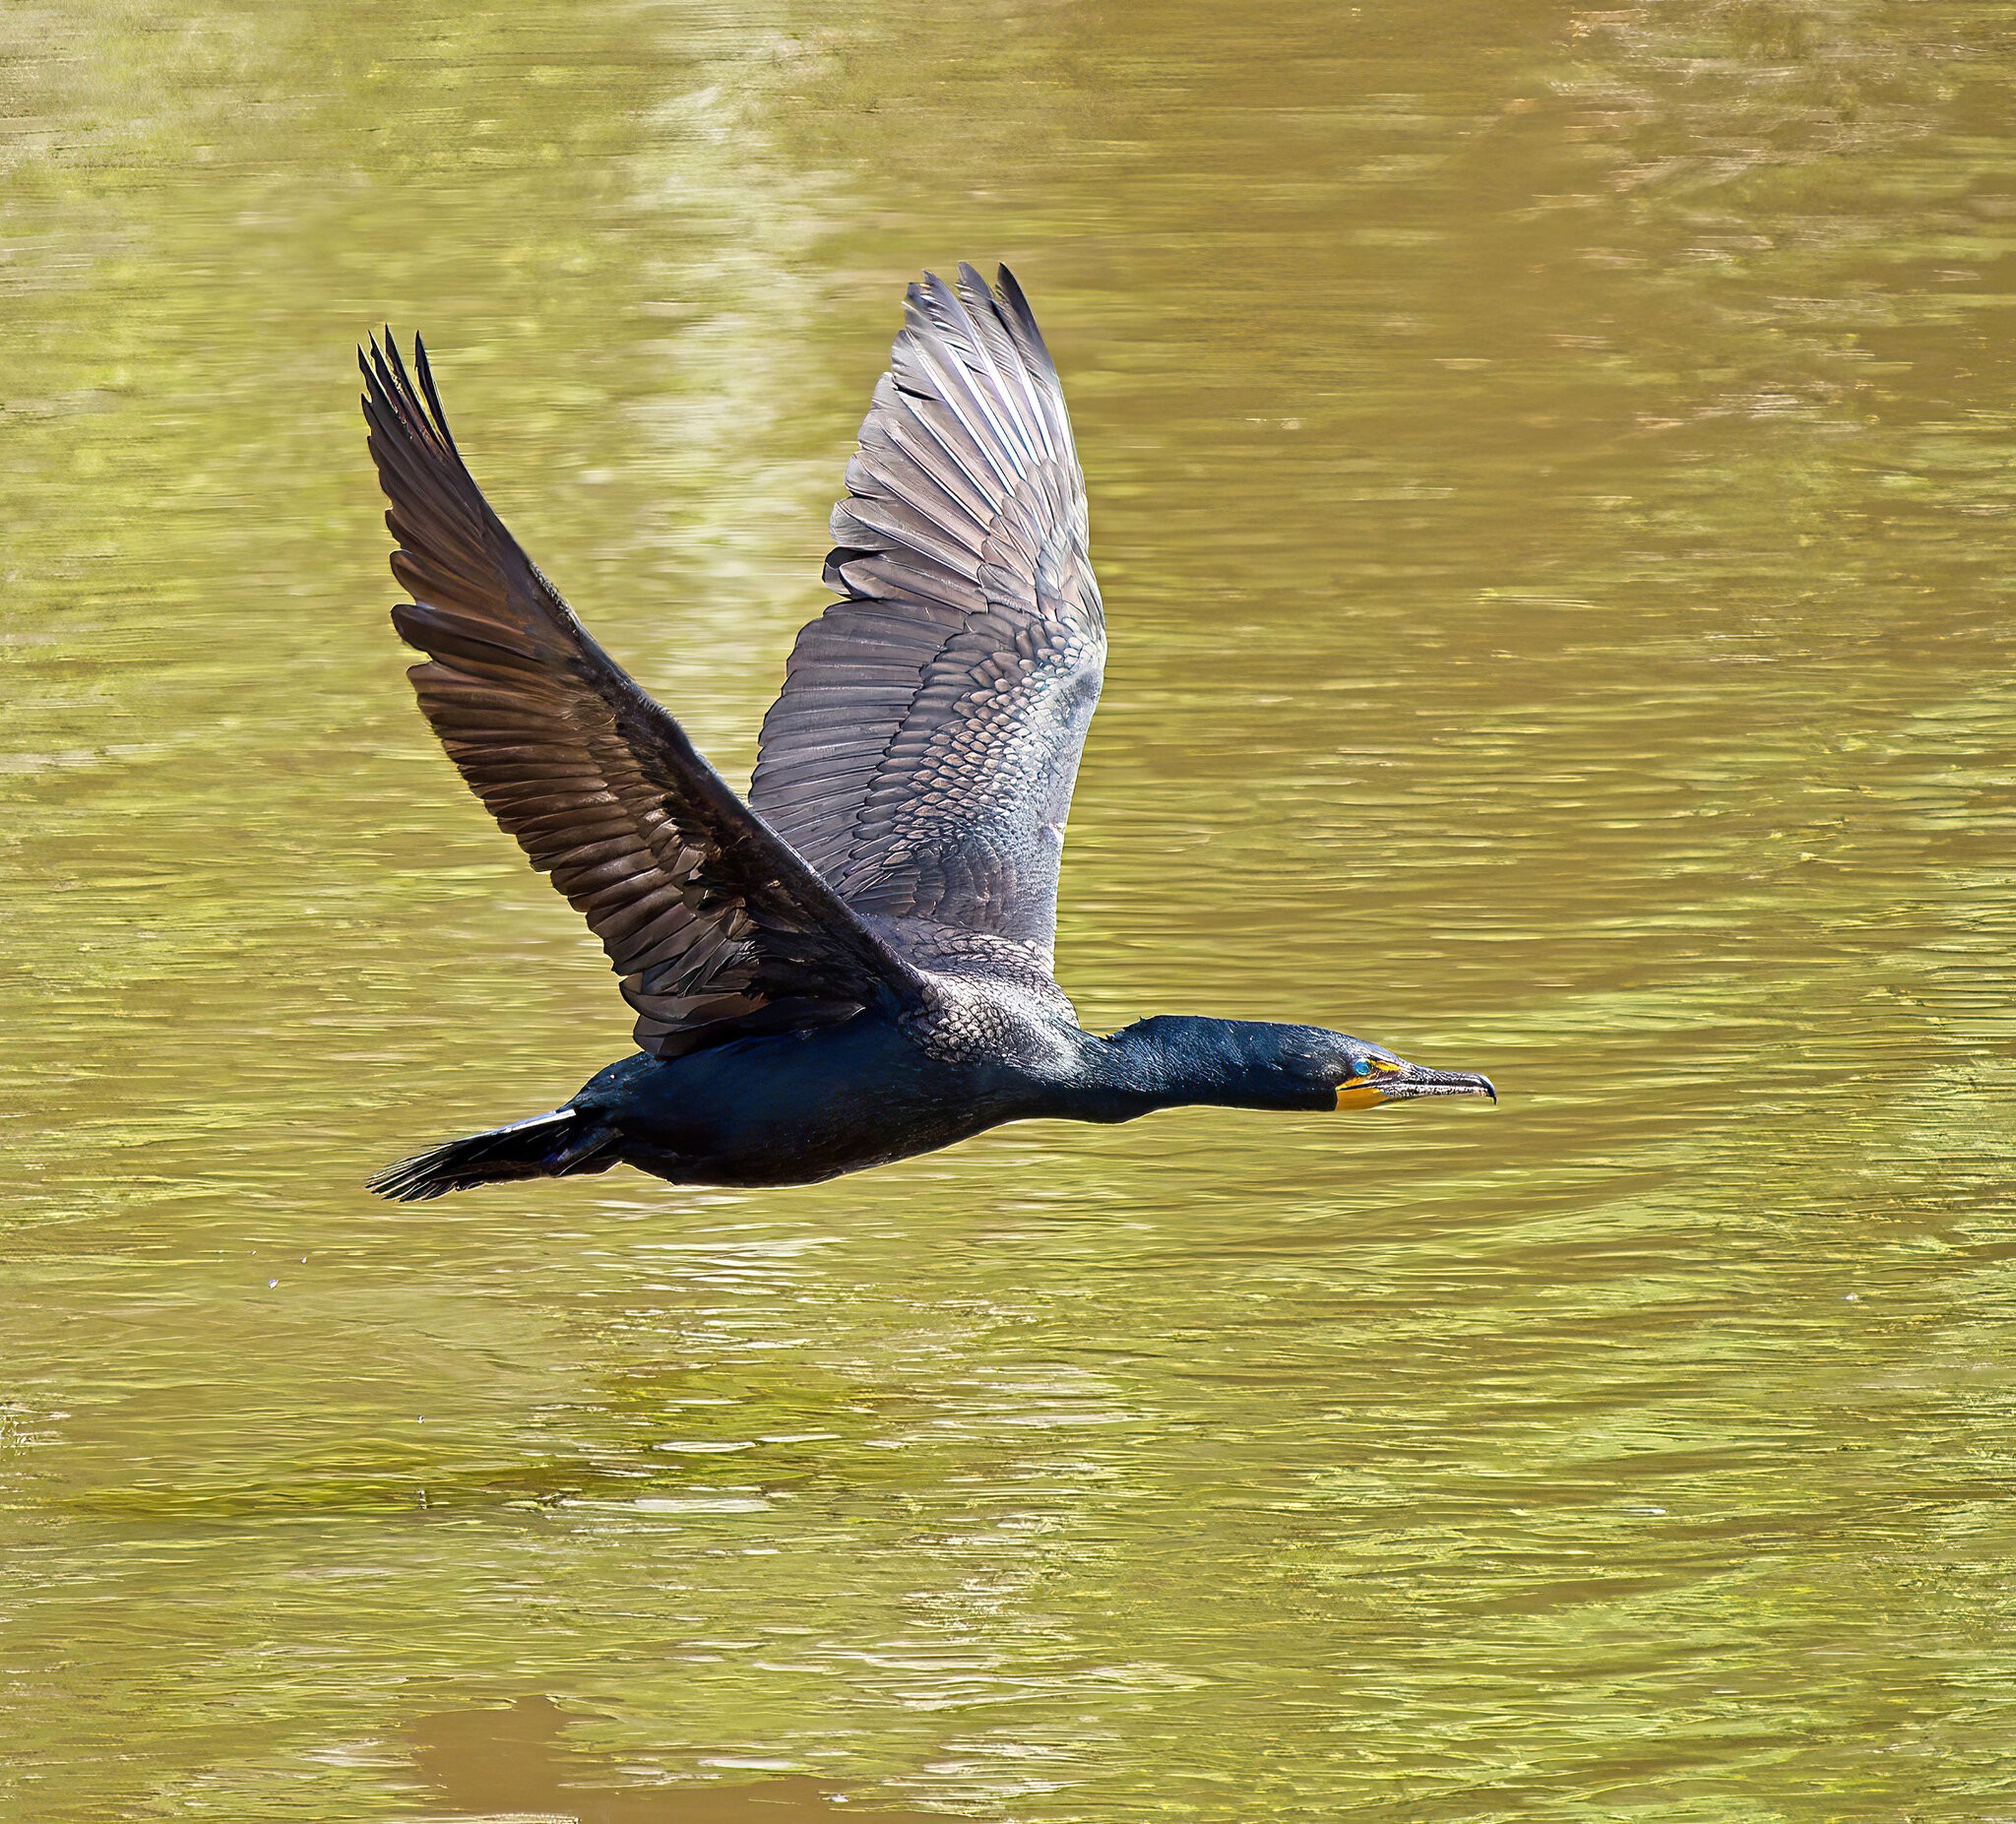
717, 925
922, 752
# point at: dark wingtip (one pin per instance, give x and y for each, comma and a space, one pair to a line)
425, 368
1016, 301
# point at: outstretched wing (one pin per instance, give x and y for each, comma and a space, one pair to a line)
922, 752
716, 926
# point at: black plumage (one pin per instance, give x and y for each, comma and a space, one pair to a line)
855, 964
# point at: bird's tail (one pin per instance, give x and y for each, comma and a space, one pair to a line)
548, 1146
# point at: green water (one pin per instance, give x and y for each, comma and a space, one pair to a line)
1552, 478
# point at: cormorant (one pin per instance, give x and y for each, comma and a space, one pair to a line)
853, 965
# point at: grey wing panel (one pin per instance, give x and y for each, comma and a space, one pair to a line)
922, 752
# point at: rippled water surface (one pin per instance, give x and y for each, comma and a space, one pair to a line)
1552, 475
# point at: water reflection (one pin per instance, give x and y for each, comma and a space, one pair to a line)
513, 1762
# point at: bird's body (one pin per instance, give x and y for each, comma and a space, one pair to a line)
855, 965
795, 1107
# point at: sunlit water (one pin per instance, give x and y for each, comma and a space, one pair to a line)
1552, 477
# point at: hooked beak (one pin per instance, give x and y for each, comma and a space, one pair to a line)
1404, 1082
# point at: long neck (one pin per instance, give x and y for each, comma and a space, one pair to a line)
1168, 1062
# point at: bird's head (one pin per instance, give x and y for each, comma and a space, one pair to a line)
1252, 1064
1321, 1069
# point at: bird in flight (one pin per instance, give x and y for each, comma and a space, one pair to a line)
853, 965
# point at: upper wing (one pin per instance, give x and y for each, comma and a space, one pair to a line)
715, 924
922, 752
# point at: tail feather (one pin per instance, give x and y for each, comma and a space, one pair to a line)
547, 1145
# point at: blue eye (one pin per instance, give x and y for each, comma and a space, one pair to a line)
1363, 1068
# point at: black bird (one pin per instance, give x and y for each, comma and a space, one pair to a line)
854, 965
